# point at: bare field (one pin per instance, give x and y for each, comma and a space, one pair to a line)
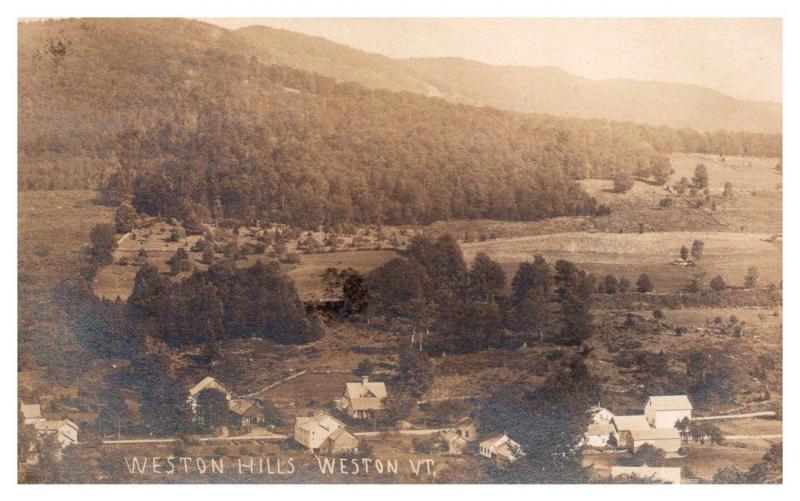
745, 173
307, 274
762, 317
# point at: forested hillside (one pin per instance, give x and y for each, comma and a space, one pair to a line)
186, 118
514, 88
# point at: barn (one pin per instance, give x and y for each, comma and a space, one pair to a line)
664, 411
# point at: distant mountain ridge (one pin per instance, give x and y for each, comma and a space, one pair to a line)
547, 90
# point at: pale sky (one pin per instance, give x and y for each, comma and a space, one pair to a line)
736, 56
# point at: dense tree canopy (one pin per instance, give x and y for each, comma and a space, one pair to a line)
198, 128
221, 303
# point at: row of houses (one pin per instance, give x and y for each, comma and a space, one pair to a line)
655, 426
364, 399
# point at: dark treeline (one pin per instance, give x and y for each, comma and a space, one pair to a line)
196, 125
467, 309
209, 306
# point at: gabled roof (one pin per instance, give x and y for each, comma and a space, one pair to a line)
341, 433
602, 428
49, 425
365, 390
670, 403
207, 382
494, 440
241, 406
366, 403
655, 434
465, 421
323, 421
509, 449
31, 411
636, 422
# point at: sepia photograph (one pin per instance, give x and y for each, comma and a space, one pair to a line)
384, 250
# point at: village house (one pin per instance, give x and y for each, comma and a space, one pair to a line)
363, 400
597, 434
669, 475
31, 413
501, 449
600, 415
667, 439
208, 382
312, 431
339, 441
467, 428
247, 411
451, 442
65, 431
665, 411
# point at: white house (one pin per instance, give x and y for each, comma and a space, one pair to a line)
664, 411
501, 449
31, 413
468, 429
597, 434
208, 382
666, 439
66, 431
364, 399
600, 415
669, 475
452, 441
247, 411
312, 431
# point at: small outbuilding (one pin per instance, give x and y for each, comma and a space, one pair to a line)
338, 442
247, 411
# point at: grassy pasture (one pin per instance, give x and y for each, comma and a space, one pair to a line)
53, 227
745, 173
117, 280
762, 317
729, 254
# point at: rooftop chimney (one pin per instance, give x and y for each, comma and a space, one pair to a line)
364, 380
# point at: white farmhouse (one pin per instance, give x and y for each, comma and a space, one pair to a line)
31, 413
597, 434
208, 382
363, 400
600, 415
664, 411
501, 449
65, 431
312, 431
